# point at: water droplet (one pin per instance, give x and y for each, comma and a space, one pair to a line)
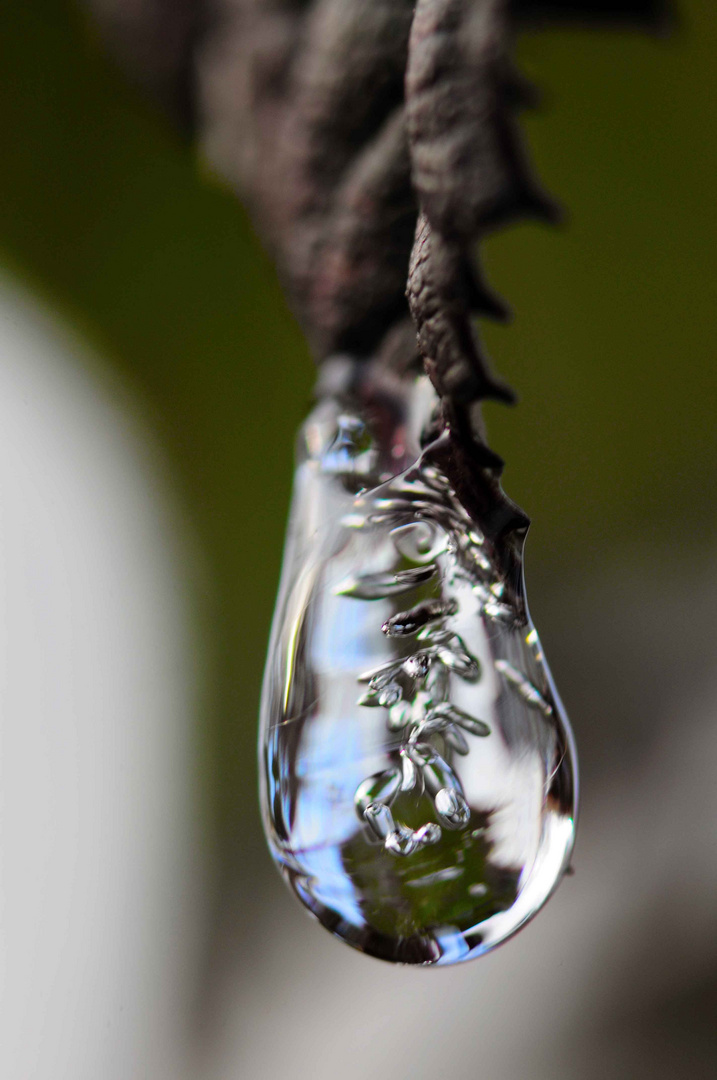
418, 774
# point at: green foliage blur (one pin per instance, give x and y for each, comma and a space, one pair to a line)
110, 217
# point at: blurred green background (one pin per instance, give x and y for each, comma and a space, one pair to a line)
106, 214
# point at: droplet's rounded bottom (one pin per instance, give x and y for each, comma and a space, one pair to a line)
416, 949
388, 926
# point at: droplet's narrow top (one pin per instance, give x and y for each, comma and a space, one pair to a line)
417, 769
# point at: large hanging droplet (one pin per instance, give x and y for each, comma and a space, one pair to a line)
418, 773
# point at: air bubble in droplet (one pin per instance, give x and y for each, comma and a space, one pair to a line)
452, 808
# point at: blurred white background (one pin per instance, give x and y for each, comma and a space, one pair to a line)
100, 876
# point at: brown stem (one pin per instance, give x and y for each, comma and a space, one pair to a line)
375, 145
